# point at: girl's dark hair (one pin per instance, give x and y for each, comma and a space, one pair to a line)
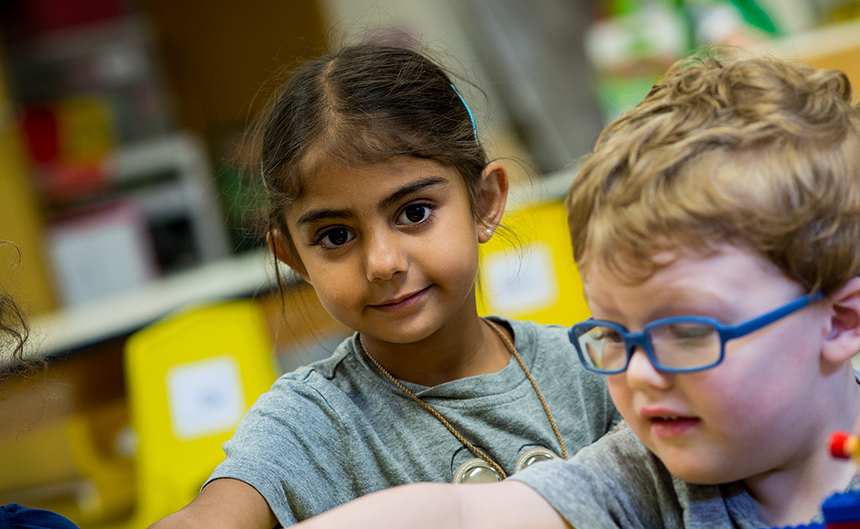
13, 335
14, 332
362, 105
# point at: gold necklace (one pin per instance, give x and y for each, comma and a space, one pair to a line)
510, 346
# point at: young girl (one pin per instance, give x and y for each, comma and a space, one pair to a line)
380, 194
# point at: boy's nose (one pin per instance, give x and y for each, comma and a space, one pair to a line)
385, 258
641, 373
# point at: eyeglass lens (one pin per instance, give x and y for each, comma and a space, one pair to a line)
678, 345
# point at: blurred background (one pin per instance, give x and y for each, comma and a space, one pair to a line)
121, 143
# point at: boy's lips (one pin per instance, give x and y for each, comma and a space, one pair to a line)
400, 302
665, 423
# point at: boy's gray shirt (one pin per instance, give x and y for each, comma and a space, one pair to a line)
338, 429
617, 482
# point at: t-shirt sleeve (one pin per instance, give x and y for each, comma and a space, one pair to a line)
291, 440
613, 483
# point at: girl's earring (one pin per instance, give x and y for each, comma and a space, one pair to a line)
488, 234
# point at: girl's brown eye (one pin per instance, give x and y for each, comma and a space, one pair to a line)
414, 214
335, 237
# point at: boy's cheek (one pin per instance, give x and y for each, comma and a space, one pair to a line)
620, 394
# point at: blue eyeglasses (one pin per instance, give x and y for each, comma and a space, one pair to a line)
681, 344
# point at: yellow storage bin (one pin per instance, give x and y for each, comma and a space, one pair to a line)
527, 270
191, 377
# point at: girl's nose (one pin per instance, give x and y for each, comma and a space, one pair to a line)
385, 256
641, 373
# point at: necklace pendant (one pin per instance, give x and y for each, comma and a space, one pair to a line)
476, 471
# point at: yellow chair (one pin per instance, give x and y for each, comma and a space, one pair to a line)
528, 273
191, 377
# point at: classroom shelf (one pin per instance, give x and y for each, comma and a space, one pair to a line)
68, 329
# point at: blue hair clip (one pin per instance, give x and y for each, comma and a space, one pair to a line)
469, 110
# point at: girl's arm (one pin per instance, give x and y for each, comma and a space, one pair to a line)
221, 504
509, 504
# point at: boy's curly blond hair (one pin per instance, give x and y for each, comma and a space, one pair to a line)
762, 152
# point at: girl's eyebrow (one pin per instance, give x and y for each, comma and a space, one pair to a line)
315, 215
414, 187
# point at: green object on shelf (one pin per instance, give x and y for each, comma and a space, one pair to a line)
756, 16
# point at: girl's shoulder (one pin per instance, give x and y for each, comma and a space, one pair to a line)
341, 385
328, 377
329, 367
547, 351
530, 335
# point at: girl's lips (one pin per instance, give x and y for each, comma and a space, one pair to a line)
401, 303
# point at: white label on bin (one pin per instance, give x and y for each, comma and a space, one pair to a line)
205, 397
521, 280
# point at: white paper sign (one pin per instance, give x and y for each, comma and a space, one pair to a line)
521, 280
101, 252
205, 397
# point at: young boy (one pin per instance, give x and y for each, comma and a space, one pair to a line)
717, 229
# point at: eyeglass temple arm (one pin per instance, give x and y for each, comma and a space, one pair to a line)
767, 319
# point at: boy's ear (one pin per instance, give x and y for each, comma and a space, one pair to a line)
492, 197
843, 341
286, 253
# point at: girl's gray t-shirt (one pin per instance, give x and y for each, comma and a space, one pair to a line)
338, 429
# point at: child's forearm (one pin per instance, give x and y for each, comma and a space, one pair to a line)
416, 506
226, 503
434, 505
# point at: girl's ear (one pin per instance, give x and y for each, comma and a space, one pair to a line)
843, 340
286, 253
492, 197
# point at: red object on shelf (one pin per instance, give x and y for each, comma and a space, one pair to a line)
41, 132
62, 182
